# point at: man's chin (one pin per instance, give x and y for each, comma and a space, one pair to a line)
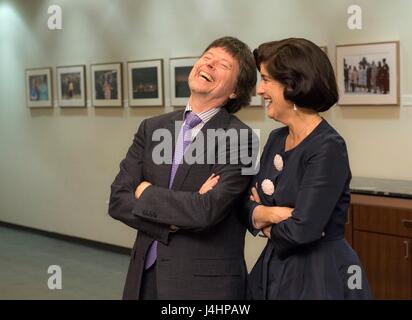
201, 90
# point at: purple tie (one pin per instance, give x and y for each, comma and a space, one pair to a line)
183, 141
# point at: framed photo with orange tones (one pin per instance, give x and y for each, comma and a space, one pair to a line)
324, 49
256, 100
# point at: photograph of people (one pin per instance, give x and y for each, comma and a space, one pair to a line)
38, 88
106, 85
362, 75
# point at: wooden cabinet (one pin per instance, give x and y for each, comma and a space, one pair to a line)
385, 259
382, 237
349, 226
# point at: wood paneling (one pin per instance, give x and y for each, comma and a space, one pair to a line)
387, 261
382, 237
377, 201
386, 220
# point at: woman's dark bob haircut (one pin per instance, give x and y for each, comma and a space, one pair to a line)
303, 68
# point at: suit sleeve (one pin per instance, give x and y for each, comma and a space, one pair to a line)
193, 211
122, 197
248, 205
324, 181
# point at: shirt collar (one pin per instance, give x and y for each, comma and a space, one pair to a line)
205, 116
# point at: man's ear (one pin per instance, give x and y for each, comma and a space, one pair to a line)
233, 96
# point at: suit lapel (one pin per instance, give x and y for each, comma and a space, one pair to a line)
219, 121
164, 170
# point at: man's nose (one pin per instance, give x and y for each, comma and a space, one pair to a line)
211, 63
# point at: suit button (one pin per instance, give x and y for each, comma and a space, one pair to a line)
323, 234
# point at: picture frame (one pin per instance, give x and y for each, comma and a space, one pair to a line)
106, 86
39, 91
179, 87
145, 83
256, 100
71, 86
368, 74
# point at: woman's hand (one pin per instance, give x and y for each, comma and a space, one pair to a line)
140, 188
282, 213
254, 195
209, 184
264, 216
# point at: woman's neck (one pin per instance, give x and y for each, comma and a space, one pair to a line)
300, 126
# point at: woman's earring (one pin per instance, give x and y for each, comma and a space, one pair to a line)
295, 108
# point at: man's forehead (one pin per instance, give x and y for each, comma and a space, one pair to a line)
219, 51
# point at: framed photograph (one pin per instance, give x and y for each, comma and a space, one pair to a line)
256, 100
324, 49
179, 74
368, 74
106, 85
145, 80
39, 88
71, 88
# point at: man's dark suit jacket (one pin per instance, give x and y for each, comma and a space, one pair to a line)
204, 258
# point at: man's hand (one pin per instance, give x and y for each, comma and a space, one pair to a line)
140, 188
209, 184
267, 230
282, 213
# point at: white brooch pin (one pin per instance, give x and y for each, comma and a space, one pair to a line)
268, 187
278, 162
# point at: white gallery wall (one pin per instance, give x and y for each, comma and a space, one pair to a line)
56, 165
